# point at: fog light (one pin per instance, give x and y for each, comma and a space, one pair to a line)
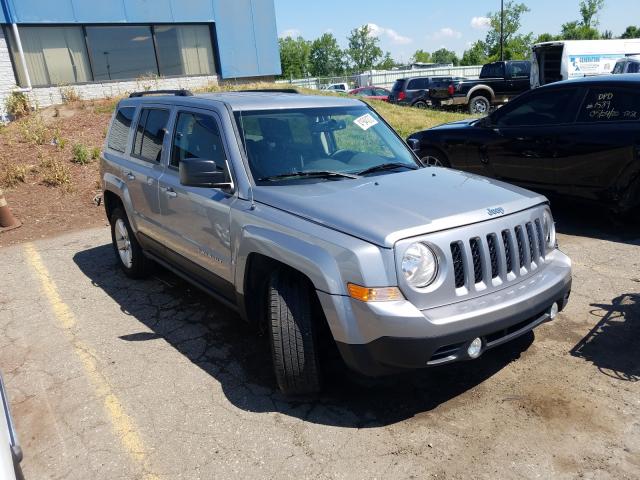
475, 348
553, 311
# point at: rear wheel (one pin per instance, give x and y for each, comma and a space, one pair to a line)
479, 105
293, 333
421, 104
432, 157
127, 250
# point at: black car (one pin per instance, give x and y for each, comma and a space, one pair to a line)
415, 91
579, 138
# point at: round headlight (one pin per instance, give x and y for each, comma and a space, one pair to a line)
549, 229
419, 265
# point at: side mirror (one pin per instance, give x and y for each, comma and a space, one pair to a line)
414, 144
199, 172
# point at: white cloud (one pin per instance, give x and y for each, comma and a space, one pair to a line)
391, 34
445, 32
481, 23
290, 32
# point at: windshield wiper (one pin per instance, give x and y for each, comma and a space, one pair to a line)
387, 166
310, 174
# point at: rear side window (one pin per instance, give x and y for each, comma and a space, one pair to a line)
542, 107
120, 129
397, 86
634, 67
197, 136
152, 125
492, 70
520, 69
610, 105
418, 84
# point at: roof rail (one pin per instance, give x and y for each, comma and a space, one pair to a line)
270, 90
177, 93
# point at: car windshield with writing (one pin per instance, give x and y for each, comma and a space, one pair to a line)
320, 144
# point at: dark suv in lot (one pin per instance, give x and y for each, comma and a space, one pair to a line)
579, 138
415, 91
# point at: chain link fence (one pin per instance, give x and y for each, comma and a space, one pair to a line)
383, 78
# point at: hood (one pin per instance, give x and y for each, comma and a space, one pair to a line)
386, 208
457, 124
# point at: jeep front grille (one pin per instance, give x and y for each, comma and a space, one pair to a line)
476, 261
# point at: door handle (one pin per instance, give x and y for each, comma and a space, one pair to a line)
131, 176
171, 193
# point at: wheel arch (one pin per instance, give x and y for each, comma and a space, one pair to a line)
481, 90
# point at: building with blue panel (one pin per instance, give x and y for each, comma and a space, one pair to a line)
106, 48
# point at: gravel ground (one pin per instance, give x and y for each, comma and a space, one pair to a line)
113, 378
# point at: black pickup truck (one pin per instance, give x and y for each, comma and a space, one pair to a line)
498, 82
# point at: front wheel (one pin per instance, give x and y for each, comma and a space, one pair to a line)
479, 105
293, 333
430, 157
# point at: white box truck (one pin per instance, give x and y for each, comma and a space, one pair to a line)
563, 60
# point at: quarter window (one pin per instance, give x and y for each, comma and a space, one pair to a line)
418, 84
197, 136
119, 131
610, 105
551, 107
152, 125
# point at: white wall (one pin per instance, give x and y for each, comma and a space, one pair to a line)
7, 78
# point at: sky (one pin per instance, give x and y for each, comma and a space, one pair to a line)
408, 25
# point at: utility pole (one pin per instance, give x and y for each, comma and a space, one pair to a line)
501, 30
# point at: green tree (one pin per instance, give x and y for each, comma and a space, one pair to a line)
387, 62
325, 56
420, 56
476, 55
363, 49
545, 37
445, 56
294, 57
631, 32
586, 27
516, 45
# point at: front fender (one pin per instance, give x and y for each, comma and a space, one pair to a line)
310, 259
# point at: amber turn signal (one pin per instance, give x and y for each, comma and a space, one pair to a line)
365, 294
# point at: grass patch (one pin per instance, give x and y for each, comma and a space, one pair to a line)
33, 130
55, 173
17, 105
95, 153
80, 154
13, 175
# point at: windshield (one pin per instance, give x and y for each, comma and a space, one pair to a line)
338, 140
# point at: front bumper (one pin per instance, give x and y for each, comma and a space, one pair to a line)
381, 338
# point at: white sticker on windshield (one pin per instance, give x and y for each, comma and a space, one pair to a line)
366, 121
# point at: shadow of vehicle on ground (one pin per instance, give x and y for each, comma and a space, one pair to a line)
218, 341
612, 345
587, 220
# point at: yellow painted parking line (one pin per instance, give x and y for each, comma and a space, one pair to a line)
122, 423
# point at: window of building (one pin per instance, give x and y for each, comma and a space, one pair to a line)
54, 56
119, 131
184, 49
64, 55
152, 125
122, 52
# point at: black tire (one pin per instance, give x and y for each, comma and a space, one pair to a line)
140, 266
421, 104
432, 157
293, 333
479, 105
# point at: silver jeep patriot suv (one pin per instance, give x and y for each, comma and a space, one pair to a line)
313, 219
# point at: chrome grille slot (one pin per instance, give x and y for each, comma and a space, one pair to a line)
493, 254
541, 248
530, 241
506, 242
520, 242
458, 264
474, 243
